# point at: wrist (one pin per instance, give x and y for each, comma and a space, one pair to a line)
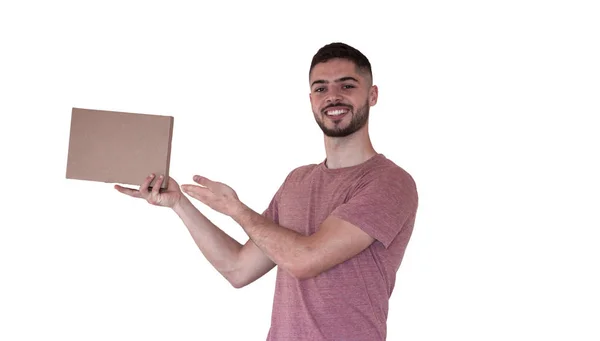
180, 204
240, 213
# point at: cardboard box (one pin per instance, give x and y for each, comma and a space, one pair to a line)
118, 147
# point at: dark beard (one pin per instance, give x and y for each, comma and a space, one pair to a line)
359, 119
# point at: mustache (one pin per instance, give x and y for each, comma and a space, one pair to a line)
337, 105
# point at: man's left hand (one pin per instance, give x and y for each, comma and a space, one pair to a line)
213, 194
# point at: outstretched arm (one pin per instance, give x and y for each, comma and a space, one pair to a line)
302, 256
239, 264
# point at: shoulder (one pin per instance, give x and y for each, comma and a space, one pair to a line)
301, 173
386, 178
387, 171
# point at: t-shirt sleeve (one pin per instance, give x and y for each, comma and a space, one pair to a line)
272, 210
381, 206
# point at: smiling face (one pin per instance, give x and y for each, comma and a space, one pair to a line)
341, 95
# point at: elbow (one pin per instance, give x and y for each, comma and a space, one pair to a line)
303, 270
305, 264
237, 283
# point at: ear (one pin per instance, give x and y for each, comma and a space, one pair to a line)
373, 95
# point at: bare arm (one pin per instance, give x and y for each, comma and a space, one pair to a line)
239, 264
302, 256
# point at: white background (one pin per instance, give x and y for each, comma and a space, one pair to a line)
491, 106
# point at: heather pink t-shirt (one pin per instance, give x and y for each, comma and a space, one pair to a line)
350, 300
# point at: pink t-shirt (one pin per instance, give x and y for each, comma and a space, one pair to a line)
350, 300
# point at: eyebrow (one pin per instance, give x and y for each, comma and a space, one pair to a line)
343, 79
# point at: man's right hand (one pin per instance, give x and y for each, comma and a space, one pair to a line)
166, 198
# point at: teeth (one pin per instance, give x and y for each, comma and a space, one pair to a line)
336, 112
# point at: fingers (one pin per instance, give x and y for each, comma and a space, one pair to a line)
203, 181
144, 187
128, 191
151, 196
188, 189
195, 192
157, 185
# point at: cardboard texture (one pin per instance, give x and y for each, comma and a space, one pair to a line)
118, 147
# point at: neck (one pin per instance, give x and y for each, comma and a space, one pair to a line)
350, 150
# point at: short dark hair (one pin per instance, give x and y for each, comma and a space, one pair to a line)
344, 51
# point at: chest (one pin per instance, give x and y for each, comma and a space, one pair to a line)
306, 203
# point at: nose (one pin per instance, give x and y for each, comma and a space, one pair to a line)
333, 97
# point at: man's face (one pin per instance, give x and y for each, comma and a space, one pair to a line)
340, 96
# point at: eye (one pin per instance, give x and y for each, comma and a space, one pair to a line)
321, 89
348, 86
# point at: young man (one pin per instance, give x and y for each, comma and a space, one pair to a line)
336, 230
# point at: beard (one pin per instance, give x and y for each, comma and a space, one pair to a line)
358, 120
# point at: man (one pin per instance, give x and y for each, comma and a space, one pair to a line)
336, 230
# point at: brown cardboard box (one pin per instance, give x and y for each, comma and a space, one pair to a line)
118, 147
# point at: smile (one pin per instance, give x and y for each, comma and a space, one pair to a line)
335, 111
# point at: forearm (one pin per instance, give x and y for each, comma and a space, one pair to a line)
288, 249
220, 249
